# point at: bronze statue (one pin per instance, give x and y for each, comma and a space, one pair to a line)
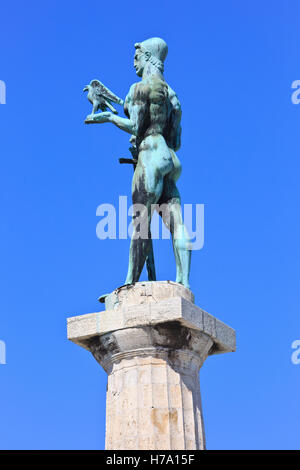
153, 119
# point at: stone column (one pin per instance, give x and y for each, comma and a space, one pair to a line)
152, 340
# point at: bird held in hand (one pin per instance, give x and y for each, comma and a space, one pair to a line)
101, 97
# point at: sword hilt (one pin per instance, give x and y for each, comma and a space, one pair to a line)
132, 161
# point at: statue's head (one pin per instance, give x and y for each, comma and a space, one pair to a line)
153, 50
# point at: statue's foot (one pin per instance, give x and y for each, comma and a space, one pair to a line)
184, 283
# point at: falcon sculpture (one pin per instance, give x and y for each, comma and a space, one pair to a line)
101, 97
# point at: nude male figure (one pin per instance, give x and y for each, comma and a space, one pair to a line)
153, 116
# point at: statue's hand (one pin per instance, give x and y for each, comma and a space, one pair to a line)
98, 118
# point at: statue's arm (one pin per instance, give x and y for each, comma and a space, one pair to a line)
127, 125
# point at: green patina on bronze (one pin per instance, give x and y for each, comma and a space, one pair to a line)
153, 119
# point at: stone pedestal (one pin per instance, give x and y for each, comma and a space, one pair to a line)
152, 340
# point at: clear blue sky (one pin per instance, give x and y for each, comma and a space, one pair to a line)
232, 64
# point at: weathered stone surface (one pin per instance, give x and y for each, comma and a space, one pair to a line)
153, 405
152, 341
148, 304
142, 293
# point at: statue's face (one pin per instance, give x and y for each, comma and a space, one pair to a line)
139, 62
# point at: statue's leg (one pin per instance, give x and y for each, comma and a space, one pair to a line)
171, 213
181, 243
147, 187
150, 263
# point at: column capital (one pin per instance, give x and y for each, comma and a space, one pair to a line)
162, 305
